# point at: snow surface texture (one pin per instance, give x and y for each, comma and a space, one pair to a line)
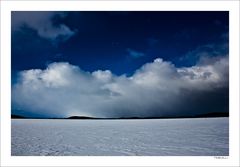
159, 137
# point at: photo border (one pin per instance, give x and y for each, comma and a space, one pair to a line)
135, 5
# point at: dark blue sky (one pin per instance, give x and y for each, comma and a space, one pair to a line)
118, 41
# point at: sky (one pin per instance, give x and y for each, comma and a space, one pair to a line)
119, 64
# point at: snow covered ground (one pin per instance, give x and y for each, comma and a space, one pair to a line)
161, 137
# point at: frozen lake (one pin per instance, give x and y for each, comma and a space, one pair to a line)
145, 137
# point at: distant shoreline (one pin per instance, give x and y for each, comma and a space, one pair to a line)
209, 115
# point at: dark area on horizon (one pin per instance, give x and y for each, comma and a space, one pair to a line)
208, 115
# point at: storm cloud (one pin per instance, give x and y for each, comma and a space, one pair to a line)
157, 89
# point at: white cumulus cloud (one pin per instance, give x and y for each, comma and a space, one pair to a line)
156, 89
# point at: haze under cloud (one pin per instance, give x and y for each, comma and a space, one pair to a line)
156, 89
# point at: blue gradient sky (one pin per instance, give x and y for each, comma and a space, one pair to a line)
119, 41
158, 63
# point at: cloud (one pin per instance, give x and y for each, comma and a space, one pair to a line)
218, 49
135, 54
156, 89
43, 23
152, 42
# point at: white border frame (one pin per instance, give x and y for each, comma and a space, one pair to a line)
8, 6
